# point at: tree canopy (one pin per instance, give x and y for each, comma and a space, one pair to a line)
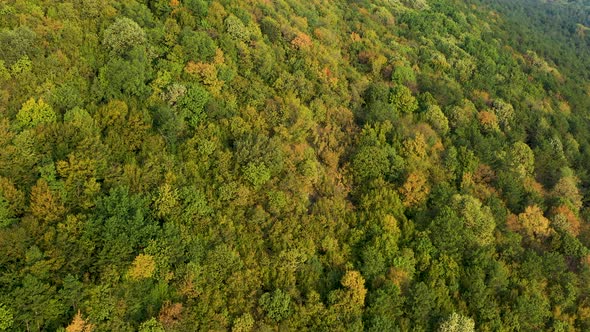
214, 165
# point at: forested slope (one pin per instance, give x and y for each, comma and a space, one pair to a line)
194, 165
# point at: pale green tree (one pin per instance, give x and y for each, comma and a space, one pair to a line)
437, 119
124, 34
521, 159
478, 220
457, 323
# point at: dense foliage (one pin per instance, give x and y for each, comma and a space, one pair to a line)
196, 165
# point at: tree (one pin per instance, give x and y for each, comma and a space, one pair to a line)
6, 216
12, 202
488, 121
403, 74
566, 190
207, 74
198, 46
35, 112
191, 105
37, 304
277, 305
17, 43
461, 115
78, 324
167, 202
415, 190
143, 267
123, 35
198, 7
377, 108
532, 307
45, 204
384, 309
6, 318
370, 162
122, 77
521, 159
151, 325
301, 41
478, 220
354, 282
347, 304
532, 222
402, 100
421, 306
120, 226
244, 323
256, 174
457, 323
270, 28
170, 314
564, 218
504, 112
437, 119
236, 29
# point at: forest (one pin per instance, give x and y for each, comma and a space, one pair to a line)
294, 165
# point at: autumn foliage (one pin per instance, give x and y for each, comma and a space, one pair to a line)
207, 165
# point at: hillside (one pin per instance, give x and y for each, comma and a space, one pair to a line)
387, 165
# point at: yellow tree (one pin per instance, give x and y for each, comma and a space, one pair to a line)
348, 303
415, 190
143, 267
531, 222
488, 121
45, 205
79, 324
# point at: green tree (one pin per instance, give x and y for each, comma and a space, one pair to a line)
122, 77
384, 308
198, 7
421, 306
256, 174
37, 304
198, 46
377, 106
437, 119
504, 112
277, 305
6, 216
191, 105
271, 28
403, 74
17, 43
371, 162
120, 226
402, 100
